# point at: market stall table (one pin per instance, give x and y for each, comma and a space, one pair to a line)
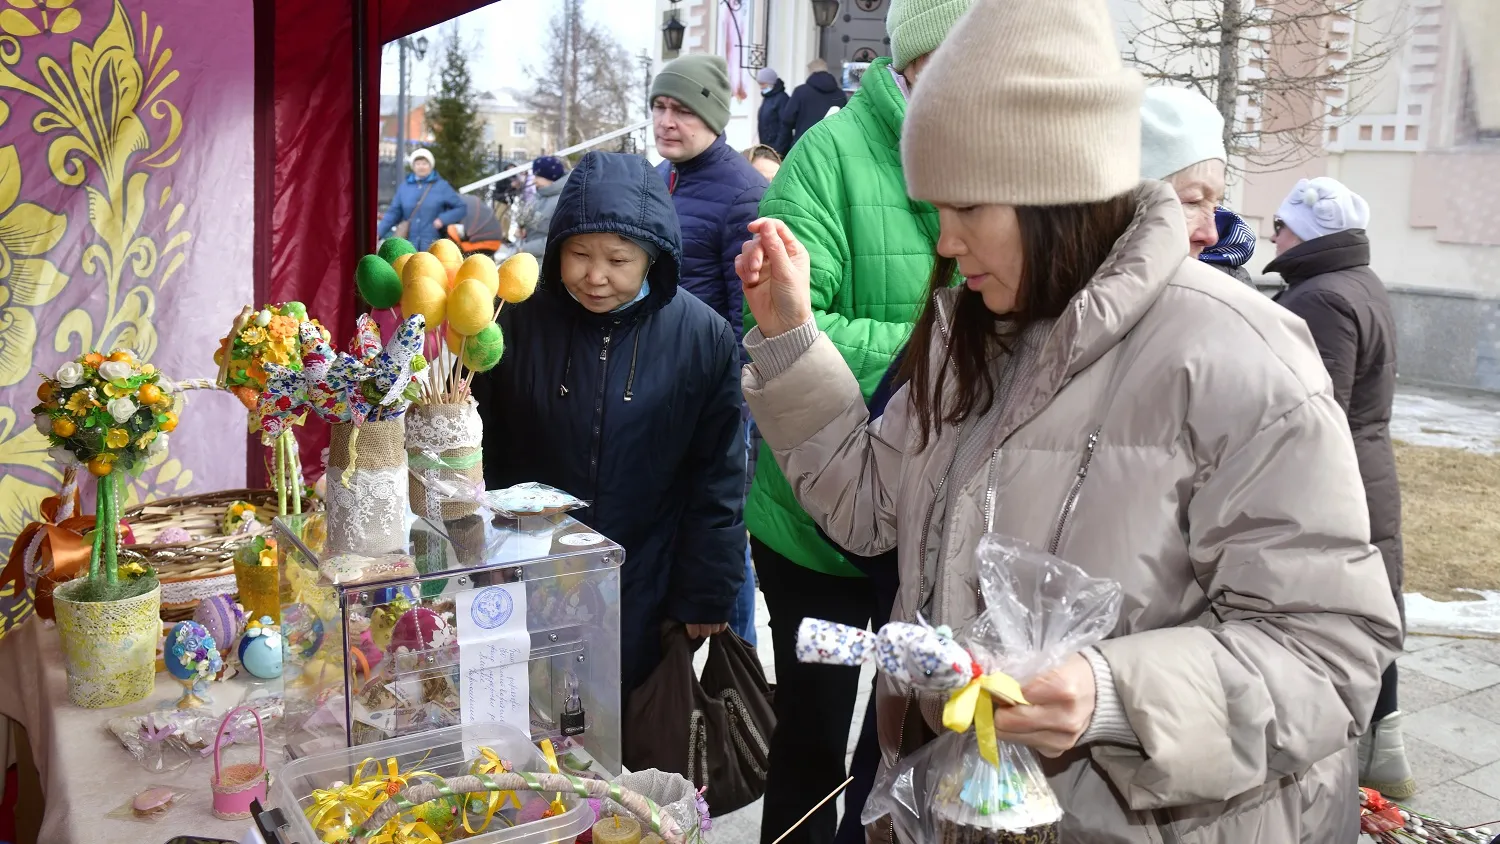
85, 772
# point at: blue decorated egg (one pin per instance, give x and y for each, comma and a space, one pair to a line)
260, 649
303, 630
223, 618
190, 652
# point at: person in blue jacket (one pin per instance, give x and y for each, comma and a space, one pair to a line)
425, 200
773, 133
621, 390
717, 194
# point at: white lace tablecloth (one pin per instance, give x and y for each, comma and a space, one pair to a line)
85, 772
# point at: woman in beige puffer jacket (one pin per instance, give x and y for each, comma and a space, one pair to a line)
1133, 411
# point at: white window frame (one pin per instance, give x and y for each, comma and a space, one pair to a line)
518, 122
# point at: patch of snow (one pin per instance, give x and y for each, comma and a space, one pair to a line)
1447, 420
1470, 618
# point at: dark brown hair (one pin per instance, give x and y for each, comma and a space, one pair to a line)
1062, 246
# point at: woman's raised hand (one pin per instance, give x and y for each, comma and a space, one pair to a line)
774, 269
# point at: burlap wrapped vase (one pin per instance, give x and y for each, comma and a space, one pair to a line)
109, 647
366, 485
443, 447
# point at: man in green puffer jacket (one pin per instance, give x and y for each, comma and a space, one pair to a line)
843, 194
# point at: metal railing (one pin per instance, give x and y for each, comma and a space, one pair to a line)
522, 168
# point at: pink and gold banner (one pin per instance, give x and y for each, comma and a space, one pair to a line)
126, 217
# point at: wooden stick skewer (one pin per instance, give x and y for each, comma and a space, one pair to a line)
809, 814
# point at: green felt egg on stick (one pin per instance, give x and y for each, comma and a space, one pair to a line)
377, 282
483, 350
394, 247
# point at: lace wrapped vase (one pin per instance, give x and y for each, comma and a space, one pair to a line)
443, 448
366, 484
109, 647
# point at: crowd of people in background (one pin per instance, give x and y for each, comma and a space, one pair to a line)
966, 300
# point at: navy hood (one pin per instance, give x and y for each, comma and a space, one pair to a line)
622, 194
823, 81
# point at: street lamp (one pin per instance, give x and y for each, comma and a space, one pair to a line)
825, 12
671, 32
418, 46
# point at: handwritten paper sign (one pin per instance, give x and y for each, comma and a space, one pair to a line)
493, 649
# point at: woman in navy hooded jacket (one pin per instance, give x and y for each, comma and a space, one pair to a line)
625, 392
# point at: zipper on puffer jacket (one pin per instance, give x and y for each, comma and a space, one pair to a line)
598, 433
1072, 500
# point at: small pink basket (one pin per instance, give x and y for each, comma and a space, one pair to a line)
237, 786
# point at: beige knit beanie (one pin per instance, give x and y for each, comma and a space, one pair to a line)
1026, 103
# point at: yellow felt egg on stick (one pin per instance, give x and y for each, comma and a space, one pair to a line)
425, 296
448, 253
455, 340
482, 269
471, 307
518, 277
400, 263
423, 265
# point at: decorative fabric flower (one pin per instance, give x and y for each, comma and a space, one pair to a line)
43, 423
157, 445
282, 328
253, 336
115, 370
81, 402
70, 374
117, 437
61, 456
122, 409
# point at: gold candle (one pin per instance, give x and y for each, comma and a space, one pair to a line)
617, 830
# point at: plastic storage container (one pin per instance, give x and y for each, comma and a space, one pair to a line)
483, 620
448, 753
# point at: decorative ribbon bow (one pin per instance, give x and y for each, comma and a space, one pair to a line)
410, 832
156, 735
488, 764
974, 704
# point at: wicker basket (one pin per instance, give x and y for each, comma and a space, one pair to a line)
191, 571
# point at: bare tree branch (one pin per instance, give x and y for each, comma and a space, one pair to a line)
1271, 67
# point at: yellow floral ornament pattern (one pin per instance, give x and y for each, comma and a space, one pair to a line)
102, 108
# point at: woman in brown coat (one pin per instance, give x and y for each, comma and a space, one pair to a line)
1323, 254
1092, 390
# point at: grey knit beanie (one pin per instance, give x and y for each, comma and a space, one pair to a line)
1026, 103
699, 82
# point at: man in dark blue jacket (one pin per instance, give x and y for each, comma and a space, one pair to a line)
717, 195
773, 98
715, 190
812, 101
620, 390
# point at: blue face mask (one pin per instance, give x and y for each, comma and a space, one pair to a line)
766, 89
644, 292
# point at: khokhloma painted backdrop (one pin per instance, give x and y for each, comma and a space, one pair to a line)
126, 214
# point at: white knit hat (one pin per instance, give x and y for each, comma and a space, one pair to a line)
421, 153
1323, 206
1025, 103
1179, 128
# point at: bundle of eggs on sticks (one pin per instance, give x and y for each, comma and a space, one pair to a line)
455, 294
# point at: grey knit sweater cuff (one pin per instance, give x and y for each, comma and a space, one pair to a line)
1110, 722
775, 355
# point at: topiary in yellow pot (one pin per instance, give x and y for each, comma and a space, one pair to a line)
110, 413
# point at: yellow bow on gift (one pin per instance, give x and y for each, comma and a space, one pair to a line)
556, 807
488, 764
974, 704
411, 832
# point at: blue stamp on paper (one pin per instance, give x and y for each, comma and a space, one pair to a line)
492, 607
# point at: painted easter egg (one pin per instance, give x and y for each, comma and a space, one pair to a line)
187, 645
223, 618
260, 649
303, 630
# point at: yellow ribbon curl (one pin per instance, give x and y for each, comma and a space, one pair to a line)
326, 813
974, 704
488, 764
556, 807
411, 832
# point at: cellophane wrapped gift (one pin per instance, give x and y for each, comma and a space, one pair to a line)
965, 788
